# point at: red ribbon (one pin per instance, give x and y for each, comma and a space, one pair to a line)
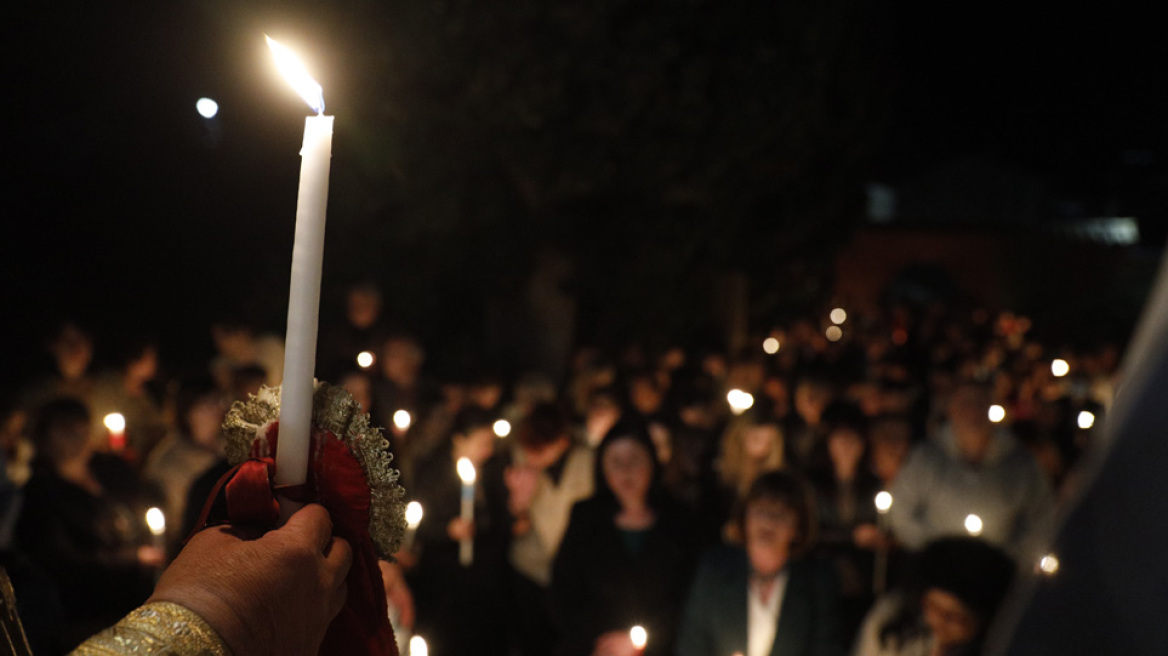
337, 482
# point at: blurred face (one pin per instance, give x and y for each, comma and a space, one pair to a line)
478, 446
73, 351
205, 417
951, 621
145, 367
361, 389
770, 528
401, 360
68, 442
363, 307
645, 397
810, 402
846, 447
758, 442
628, 470
969, 414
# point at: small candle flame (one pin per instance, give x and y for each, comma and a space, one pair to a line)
739, 401
466, 470
156, 521
402, 419
115, 422
413, 514
883, 502
502, 428
973, 525
418, 647
639, 636
365, 359
296, 74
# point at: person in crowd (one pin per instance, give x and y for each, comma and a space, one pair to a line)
972, 468
127, 391
889, 441
83, 523
247, 381
813, 393
765, 597
188, 451
845, 497
751, 446
627, 555
947, 605
603, 412
457, 603
400, 388
551, 473
237, 345
362, 330
72, 349
15, 447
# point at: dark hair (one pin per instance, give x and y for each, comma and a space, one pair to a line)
790, 489
545, 425
55, 414
470, 419
844, 415
189, 395
976, 572
637, 431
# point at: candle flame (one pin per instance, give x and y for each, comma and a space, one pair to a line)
466, 470
639, 636
739, 401
973, 525
156, 521
418, 647
296, 74
115, 422
883, 502
502, 428
413, 514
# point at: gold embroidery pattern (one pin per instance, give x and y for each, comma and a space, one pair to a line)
156, 629
334, 410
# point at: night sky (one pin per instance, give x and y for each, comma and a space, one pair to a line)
124, 207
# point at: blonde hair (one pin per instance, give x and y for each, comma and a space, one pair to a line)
736, 469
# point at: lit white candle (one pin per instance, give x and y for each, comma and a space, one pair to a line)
466, 472
304, 291
115, 423
413, 518
156, 522
883, 503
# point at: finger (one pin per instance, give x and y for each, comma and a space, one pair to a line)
312, 523
338, 557
337, 600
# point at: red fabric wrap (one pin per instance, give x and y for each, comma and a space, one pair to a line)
337, 482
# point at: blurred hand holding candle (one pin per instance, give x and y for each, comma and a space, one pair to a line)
304, 291
466, 472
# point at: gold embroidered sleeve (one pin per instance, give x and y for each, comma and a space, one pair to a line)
156, 629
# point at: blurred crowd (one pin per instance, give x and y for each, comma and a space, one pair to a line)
858, 480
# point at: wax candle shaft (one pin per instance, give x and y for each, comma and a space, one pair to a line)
304, 303
466, 546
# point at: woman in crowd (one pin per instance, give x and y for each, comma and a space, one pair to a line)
845, 494
752, 445
958, 585
82, 524
457, 604
627, 554
187, 452
765, 598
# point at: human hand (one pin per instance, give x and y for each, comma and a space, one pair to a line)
522, 482
397, 592
269, 594
151, 556
460, 529
614, 643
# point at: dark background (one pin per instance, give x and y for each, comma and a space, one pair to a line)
651, 145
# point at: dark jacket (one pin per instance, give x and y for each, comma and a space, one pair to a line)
714, 622
598, 585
